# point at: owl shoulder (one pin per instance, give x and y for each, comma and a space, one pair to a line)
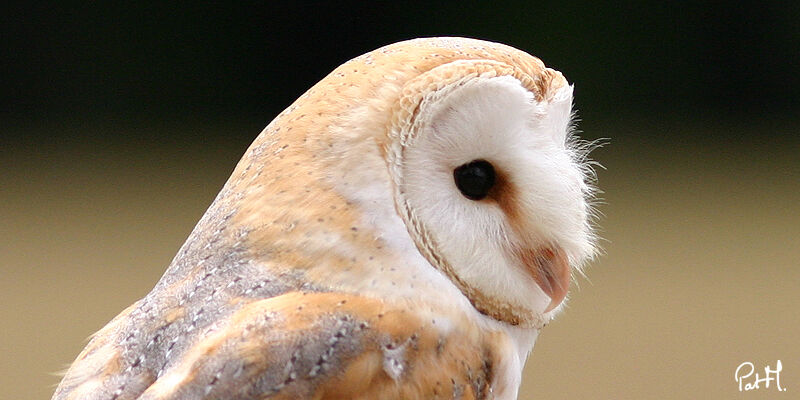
332, 346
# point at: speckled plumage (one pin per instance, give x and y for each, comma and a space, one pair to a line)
311, 276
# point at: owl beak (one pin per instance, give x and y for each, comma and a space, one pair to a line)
551, 271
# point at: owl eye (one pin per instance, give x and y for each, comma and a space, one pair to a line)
474, 179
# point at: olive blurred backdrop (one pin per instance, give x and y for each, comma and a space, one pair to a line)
119, 123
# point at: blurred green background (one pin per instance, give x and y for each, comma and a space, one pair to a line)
119, 123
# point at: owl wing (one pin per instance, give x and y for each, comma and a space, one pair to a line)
303, 345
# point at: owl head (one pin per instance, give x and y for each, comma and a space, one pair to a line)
489, 183
443, 160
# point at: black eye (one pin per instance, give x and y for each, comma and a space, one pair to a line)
474, 179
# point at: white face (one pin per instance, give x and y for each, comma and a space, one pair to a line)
515, 244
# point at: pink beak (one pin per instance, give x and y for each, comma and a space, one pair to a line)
551, 271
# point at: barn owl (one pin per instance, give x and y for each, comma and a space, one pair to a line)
403, 230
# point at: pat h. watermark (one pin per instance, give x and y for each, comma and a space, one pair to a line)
748, 379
